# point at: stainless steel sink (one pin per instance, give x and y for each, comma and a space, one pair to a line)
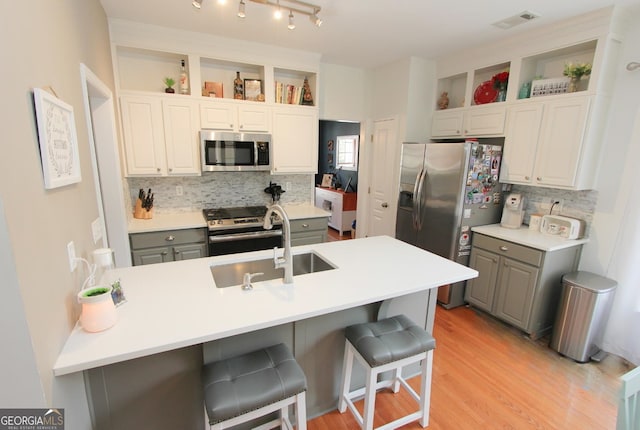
229, 275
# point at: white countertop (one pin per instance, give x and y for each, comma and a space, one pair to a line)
179, 221
173, 305
531, 238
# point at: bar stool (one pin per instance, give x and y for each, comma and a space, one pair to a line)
387, 345
252, 385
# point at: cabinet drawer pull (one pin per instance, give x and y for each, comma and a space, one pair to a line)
175, 251
169, 238
230, 125
305, 225
164, 253
539, 178
158, 170
504, 248
385, 205
527, 178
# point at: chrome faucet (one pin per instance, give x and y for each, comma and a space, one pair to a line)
286, 261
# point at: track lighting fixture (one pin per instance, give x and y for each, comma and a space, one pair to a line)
298, 6
292, 24
241, 13
278, 13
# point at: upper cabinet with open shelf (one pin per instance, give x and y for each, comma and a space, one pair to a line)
144, 70
455, 88
471, 88
540, 54
551, 64
224, 73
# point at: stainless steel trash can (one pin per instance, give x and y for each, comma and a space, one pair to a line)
582, 313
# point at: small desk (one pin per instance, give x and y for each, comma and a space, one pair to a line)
341, 205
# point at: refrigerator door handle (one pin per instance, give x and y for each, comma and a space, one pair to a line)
414, 205
417, 200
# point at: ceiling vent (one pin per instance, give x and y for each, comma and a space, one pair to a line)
518, 19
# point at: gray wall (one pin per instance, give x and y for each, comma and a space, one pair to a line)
329, 130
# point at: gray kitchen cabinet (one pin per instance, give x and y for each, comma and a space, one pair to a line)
307, 231
484, 286
169, 245
519, 284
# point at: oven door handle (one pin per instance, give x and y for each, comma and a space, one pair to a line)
244, 236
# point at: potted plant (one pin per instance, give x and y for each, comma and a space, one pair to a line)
169, 82
575, 72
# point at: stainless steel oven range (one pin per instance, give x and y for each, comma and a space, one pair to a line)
240, 229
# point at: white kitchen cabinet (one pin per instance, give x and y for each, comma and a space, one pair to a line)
341, 205
235, 116
545, 143
181, 137
521, 142
295, 139
472, 122
143, 135
561, 142
160, 136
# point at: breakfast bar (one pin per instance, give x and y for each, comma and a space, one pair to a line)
178, 307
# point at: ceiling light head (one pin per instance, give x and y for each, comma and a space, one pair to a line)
241, 6
278, 13
222, 1
292, 25
197, 4
314, 19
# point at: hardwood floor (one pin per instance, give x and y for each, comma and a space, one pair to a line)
335, 235
488, 375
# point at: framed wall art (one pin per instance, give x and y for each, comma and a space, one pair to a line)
58, 140
252, 89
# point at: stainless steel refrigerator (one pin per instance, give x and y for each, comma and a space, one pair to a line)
445, 189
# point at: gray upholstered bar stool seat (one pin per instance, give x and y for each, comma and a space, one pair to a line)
387, 345
255, 384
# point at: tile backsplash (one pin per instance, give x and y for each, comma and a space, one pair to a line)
575, 204
220, 189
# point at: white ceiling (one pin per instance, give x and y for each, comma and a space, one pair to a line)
361, 33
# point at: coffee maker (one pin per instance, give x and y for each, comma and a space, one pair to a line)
513, 211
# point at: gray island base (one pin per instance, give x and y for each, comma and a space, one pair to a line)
145, 371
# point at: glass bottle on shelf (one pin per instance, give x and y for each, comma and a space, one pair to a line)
184, 80
238, 87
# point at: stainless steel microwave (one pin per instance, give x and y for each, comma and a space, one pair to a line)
224, 151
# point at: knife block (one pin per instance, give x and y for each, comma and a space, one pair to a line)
141, 213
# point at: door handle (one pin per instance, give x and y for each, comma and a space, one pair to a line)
385, 205
169, 238
504, 248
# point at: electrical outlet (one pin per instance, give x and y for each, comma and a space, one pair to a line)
71, 251
179, 190
96, 230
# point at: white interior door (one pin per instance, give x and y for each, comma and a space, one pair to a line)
383, 172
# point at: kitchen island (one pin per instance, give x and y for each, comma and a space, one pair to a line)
176, 307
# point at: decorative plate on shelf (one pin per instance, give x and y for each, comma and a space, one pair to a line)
485, 93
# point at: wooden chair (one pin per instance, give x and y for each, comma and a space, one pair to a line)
629, 407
